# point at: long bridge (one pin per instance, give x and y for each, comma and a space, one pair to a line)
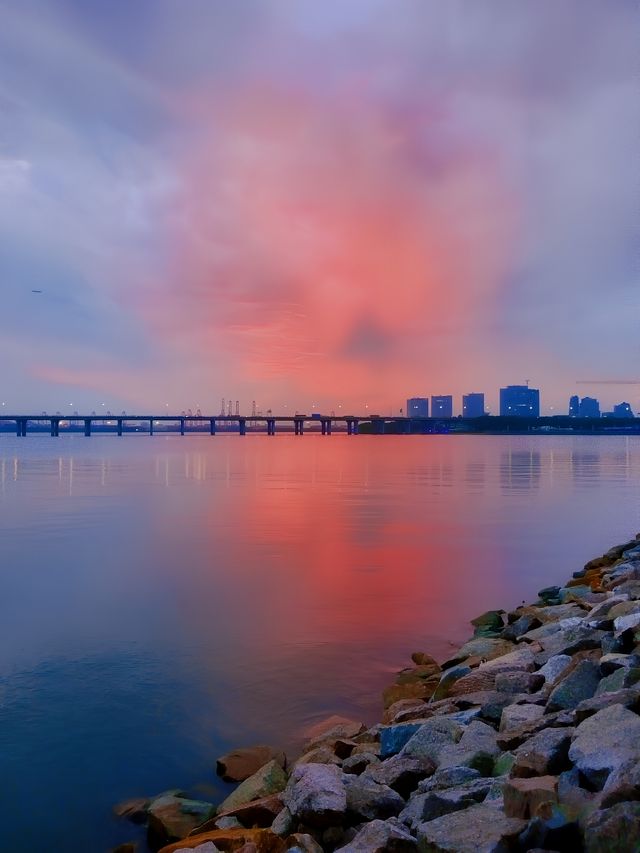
196, 423
324, 424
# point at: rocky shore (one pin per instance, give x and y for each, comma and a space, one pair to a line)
528, 739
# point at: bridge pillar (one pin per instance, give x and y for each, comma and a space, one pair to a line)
355, 427
212, 426
19, 432
150, 426
323, 426
271, 426
119, 426
242, 426
300, 425
329, 426
181, 426
87, 427
55, 427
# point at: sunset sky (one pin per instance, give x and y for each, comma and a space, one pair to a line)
307, 203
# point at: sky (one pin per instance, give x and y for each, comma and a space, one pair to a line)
316, 205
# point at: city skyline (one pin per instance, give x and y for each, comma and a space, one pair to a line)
315, 203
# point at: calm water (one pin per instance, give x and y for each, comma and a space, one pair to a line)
167, 598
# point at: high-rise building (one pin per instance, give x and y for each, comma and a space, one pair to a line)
574, 406
473, 405
417, 407
622, 410
442, 406
589, 407
520, 401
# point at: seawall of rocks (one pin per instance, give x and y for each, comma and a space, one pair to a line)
527, 739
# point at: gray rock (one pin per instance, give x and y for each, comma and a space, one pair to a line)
521, 659
600, 611
628, 697
369, 800
630, 589
519, 627
283, 823
554, 668
518, 682
614, 681
400, 773
382, 836
614, 830
546, 753
477, 748
269, 779
483, 647
478, 829
626, 623
516, 716
434, 804
568, 641
358, 763
448, 777
432, 738
605, 741
611, 662
316, 795
559, 611
622, 784
581, 683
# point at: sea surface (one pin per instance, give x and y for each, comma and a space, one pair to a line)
164, 599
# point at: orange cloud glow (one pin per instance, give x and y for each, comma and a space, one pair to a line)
333, 245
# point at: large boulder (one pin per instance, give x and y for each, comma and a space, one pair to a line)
614, 830
479, 829
477, 748
239, 764
581, 683
622, 784
270, 779
316, 795
434, 804
527, 798
484, 647
403, 774
432, 739
516, 716
546, 753
382, 836
368, 800
605, 741
171, 818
